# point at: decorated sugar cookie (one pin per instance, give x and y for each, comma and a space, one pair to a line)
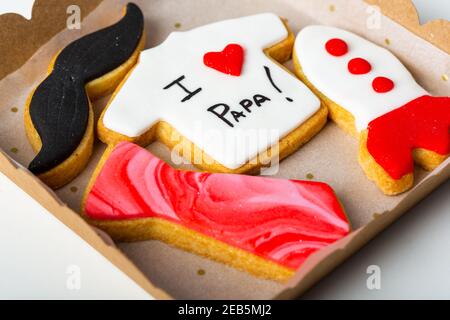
265, 226
371, 94
217, 96
58, 116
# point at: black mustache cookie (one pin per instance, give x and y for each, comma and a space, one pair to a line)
59, 119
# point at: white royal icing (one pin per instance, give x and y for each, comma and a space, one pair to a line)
142, 101
330, 75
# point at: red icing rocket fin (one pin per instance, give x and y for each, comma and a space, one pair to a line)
280, 220
422, 123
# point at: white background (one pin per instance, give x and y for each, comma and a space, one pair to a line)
22, 7
46, 258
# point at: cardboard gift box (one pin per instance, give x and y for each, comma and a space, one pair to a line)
165, 272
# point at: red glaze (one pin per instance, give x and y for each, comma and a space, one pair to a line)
422, 123
382, 84
281, 220
359, 66
228, 61
336, 47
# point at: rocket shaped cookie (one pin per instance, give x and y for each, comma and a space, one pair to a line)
371, 94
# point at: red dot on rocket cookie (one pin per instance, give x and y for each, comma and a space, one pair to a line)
382, 84
359, 66
336, 47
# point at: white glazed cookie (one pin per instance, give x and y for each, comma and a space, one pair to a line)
216, 88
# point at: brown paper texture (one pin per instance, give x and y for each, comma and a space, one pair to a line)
330, 157
21, 37
404, 12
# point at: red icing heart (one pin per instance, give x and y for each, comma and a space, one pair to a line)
228, 61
